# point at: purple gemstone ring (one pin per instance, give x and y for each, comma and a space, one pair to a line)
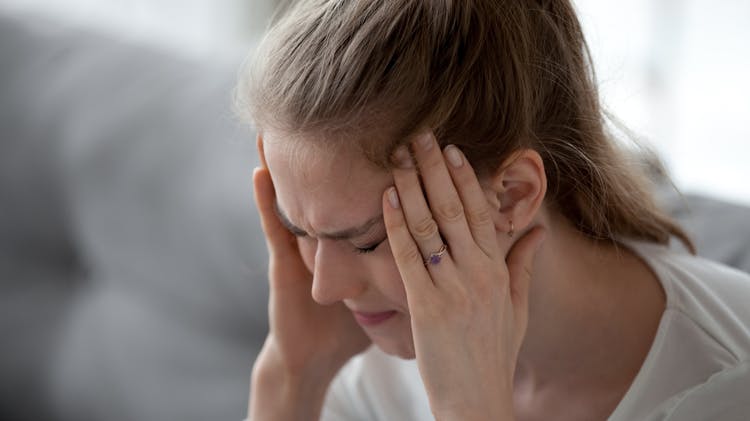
435, 257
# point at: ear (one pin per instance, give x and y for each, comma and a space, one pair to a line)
517, 190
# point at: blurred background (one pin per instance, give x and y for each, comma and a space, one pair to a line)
132, 266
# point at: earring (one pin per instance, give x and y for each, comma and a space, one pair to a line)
511, 231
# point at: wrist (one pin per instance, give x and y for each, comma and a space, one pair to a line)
271, 363
497, 406
475, 414
278, 391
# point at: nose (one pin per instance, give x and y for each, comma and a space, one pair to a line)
335, 274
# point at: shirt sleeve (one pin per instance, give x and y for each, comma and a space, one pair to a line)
724, 396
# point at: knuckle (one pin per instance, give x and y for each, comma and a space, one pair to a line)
424, 229
450, 212
432, 162
392, 224
410, 255
479, 217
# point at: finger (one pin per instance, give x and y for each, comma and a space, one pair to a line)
405, 251
520, 262
414, 209
281, 243
476, 207
445, 205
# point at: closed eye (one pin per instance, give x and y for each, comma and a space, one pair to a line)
369, 249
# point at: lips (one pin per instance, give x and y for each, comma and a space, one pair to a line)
372, 319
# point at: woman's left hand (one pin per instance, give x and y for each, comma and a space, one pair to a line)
469, 306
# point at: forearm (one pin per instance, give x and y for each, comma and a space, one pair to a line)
279, 395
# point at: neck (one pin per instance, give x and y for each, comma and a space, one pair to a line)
593, 313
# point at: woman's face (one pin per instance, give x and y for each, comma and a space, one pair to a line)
332, 201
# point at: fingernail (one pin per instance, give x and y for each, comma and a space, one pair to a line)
393, 198
424, 141
402, 157
454, 156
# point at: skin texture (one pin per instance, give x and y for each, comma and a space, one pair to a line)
476, 318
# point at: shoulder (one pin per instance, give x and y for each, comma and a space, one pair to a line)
722, 397
712, 296
704, 333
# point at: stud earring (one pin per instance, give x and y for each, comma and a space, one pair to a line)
511, 231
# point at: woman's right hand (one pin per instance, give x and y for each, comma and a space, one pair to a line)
305, 338
307, 343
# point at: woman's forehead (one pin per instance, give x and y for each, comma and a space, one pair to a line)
318, 161
318, 187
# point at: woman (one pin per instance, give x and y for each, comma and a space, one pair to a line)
438, 181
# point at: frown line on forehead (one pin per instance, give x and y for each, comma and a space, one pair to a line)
344, 234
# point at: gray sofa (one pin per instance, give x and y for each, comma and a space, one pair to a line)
132, 266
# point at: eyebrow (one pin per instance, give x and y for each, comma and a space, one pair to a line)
338, 235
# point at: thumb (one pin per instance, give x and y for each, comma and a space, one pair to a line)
281, 243
520, 262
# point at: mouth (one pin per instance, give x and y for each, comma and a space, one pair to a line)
372, 319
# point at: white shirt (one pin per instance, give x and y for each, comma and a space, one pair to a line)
698, 367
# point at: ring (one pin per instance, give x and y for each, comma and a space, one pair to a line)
436, 256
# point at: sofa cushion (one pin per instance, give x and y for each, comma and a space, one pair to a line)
145, 177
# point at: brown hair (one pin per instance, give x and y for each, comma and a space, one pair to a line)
490, 76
